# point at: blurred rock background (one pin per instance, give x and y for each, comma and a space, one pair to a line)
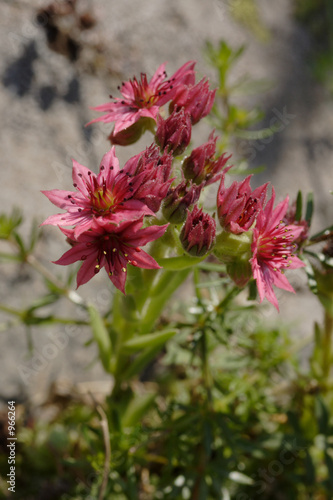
52, 72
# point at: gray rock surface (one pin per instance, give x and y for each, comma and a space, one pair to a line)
44, 103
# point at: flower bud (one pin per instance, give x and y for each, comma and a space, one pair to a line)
201, 165
197, 100
154, 172
238, 206
174, 133
178, 200
198, 233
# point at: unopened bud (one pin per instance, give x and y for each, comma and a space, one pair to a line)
174, 133
201, 165
178, 200
198, 233
197, 100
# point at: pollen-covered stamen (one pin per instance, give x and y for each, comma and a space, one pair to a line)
278, 250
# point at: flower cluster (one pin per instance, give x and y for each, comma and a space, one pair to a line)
112, 213
273, 239
108, 212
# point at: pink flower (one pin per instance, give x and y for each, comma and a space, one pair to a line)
273, 250
198, 233
201, 165
142, 99
197, 100
238, 206
110, 195
174, 133
155, 170
113, 247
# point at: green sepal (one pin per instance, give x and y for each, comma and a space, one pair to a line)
230, 247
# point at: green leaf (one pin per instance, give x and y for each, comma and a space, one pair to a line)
20, 243
137, 408
156, 339
43, 301
299, 206
324, 232
309, 208
9, 256
10, 222
179, 263
329, 465
140, 362
322, 416
101, 336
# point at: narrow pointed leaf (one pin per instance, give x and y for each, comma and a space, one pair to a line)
324, 232
179, 263
299, 206
309, 208
9, 256
137, 408
140, 362
156, 339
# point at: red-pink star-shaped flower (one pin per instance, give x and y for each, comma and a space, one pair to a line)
237, 205
109, 195
273, 250
142, 99
113, 247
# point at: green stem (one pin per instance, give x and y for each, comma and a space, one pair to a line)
327, 344
10, 310
165, 286
206, 375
